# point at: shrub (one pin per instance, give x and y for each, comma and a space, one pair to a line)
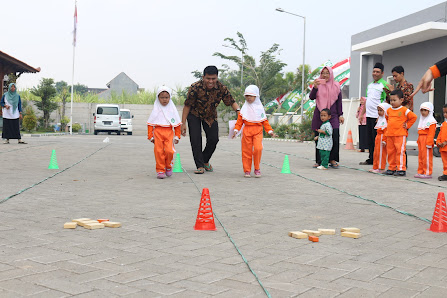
76, 127
30, 119
64, 121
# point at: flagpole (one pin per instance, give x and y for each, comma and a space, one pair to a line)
72, 72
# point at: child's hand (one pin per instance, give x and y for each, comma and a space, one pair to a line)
234, 134
316, 138
428, 146
405, 125
383, 144
321, 131
175, 141
152, 140
273, 135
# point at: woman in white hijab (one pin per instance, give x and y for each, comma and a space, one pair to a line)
164, 130
426, 132
253, 117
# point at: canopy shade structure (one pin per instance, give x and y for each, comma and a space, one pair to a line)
412, 35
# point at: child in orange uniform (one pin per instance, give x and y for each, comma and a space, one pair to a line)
380, 152
399, 120
426, 131
162, 124
253, 117
441, 142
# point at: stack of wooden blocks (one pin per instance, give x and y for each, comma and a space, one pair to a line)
313, 235
91, 224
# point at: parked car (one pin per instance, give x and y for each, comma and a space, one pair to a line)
107, 119
126, 121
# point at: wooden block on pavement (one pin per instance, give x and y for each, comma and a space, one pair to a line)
80, 219
112, 224
350, 234
298, 235
83, 223
70, 225
94, 226
327, 231
312, 233
353, 230
314, 238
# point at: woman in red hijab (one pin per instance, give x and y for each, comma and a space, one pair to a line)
327, 94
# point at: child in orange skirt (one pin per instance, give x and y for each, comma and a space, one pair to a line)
253, 117
380, 152
163, 123
426, 132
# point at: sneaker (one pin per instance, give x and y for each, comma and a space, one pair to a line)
389, 172
425, 177
257, 173
400, 173
377, 171
364, 163
442, 178
168, 172
161, 175
418, 175
6, 142
247, 175
321, 168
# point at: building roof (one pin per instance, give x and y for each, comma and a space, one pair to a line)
11, 64
121, 74
408, 36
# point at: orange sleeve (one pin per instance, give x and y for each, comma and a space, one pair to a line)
441, 137
411, 119
267, 126
435, 71
178, 131
150, 132
431, 135
384, 135
239, 122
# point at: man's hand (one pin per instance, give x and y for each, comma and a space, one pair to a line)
183, 129
424, 83
390, 87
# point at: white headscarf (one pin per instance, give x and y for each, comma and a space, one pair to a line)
253, 112
164, 115
381, 121
425, 122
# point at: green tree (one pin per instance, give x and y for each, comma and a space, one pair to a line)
262, 74
47, 92
30, 120
63, 91
80, 89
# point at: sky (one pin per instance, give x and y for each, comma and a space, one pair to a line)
158, 42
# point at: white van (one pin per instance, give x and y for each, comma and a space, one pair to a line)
107, 118
126, 121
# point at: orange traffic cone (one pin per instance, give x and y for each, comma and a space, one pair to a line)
205, 217
349, 143
439, 221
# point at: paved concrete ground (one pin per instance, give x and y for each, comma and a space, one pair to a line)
158, 253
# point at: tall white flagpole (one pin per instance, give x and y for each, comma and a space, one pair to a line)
72, 73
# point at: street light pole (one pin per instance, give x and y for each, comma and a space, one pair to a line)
303, 96
242, 64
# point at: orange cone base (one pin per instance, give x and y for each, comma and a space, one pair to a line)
205, 226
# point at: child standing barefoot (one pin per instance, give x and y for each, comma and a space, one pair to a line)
380, 153
253, 116
325, 142
162, 124
426, 132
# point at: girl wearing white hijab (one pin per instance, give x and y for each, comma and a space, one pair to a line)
164, 129
426, 132
380, 152
252, 116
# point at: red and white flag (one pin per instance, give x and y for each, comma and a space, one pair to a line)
75, 25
